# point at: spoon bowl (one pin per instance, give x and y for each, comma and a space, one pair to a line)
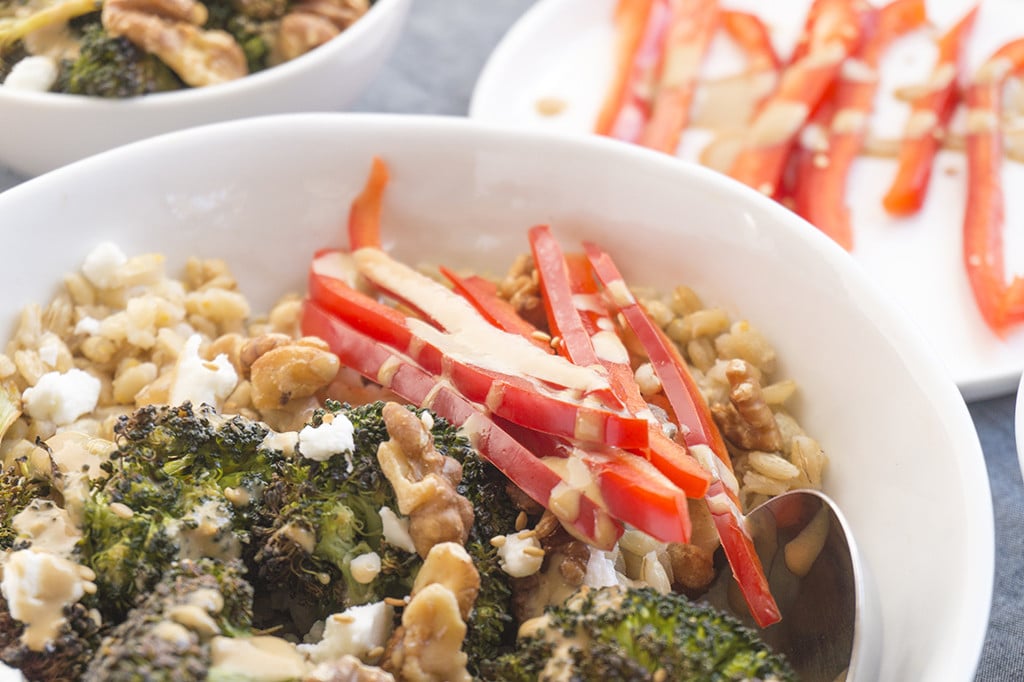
820, 583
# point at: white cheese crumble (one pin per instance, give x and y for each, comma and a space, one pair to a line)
37, 586
515, 557
102, 265
88, 325
365, 567
62, 397
49, 349
396, 530
322, 442
199, 380
354, 632
37, 73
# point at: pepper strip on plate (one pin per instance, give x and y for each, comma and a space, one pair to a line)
482, 294
512, 397
836, 140
998, 302
630, 19
930, 112
832, 32
383, 365
700, 434
635, 109
692, 26
753, 37
577, 315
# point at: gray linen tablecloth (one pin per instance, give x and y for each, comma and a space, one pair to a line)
432, 71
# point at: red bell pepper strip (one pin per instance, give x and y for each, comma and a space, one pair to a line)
630, 22
983, 218
750, 33
635, 110
700, 433
364, 214
483, 295
570, 296
636, 493
632, 489
692, 26
512, 397
820, 188
930, 113
383, 365
832, 32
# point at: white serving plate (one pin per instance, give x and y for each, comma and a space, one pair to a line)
563, 49
265, 193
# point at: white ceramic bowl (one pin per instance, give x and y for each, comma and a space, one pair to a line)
265, 193
1018, 423
42, 130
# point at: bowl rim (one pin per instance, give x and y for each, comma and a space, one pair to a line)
900, 332
378, 12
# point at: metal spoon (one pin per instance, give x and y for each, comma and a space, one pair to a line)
829, 630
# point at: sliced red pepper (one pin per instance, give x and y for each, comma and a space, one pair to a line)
742, 556
699, 431
635, 110
831, 33
751, 34
364, 214
983, 218
632, 489
930, 113
692, 26
512, 397
483, 295
636, 493
820, 189
630, 23
580, 320
383, 365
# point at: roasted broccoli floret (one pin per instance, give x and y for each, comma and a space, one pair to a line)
113, 67
254, 24
63, 658
18, 487
491, 630
166, 496
319, 516
167, 635
638, 634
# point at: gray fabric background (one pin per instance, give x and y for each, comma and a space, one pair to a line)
432, 71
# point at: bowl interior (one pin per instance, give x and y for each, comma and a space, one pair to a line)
905, 463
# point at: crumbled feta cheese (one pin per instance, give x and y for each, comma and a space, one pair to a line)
36, 72
102, 265
601, 569
322, 442
396, 530
199, 380
365, 567
37, 586
354, 632
49, 349
62, 397
88, 325
520, 555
